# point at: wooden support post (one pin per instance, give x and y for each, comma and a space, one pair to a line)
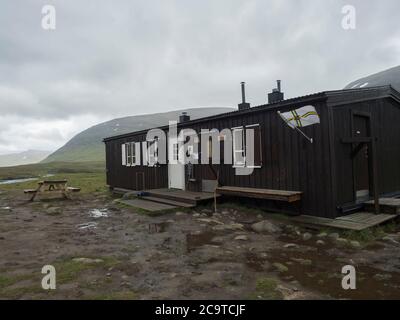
374, 175
36, 192
215, 200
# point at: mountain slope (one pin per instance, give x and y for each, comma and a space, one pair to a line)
390, 76
88, 145
21, 158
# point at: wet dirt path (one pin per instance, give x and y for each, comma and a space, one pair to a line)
102, 250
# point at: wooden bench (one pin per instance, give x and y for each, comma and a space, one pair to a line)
73, 189
267, 194
30, 191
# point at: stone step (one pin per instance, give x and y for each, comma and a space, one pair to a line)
387, 205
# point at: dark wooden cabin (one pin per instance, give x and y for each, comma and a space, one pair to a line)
355, 154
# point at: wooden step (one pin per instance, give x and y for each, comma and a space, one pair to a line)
387, 205
169, 202
147, 205
173, 197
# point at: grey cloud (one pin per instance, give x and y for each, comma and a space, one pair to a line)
122, 58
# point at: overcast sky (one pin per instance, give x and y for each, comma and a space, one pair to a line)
108, 59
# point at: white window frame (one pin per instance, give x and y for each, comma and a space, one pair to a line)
133, 154
235, 151
243, 150
137, 151
128, 154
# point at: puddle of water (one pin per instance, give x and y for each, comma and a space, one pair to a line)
194, 241
12, 181
255, 262
324, 275
98, 213
87, 225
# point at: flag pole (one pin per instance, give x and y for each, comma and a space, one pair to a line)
297, 129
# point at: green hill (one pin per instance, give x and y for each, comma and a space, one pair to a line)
88, 145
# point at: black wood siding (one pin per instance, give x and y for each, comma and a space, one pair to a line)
385, 117
290, 162
323, 171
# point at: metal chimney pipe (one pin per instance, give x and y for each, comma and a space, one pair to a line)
279, 85
243, 92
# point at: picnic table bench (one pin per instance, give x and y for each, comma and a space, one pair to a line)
52, 186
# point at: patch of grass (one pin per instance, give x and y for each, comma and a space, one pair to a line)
370, 234
363, 236
17, 293
266, 289
69, 270
7, 281
120, 295
88, 182
57, 168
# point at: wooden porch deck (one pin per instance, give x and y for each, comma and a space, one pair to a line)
387, 205
357, 221
190, 197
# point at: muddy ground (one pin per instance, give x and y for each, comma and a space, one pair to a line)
104, 250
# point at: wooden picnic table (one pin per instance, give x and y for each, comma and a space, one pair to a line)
52, 186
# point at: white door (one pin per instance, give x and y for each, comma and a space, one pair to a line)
176, 169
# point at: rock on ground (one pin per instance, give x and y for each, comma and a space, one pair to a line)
53, 210
290, 245
265, 226
231, 226
334, 236
341, 241
87, 260
355, 244
280, 267
242, 238
307, 236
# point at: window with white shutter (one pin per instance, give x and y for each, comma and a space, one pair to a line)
137, 151
123, 154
